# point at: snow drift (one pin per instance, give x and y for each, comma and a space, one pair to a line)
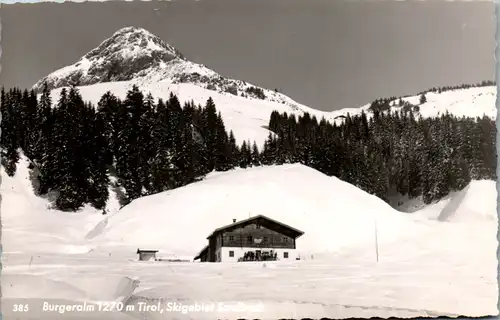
88, 289
474, 204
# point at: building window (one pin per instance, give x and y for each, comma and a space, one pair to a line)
231, 238
258, 226
285, 255
265, 239
249, 238
285, 239
231, 253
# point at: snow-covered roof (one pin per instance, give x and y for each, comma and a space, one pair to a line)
295, 232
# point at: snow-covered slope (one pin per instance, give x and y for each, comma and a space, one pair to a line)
333, 214
246, 117
470, 102
425, 266
29, 225
134, 56
472, 204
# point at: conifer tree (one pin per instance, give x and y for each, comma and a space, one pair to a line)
423, 98
128, 159
255, 156
45, 124
98, 149
210, 129
161, 162
10, 140
109, 116
71, 161
32, 127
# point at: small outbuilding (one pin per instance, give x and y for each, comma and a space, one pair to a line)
147, 255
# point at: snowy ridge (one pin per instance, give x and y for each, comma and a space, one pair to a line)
471, 102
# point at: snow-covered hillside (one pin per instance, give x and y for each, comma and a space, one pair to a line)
471, 102
133, 56
247, 118
333, 214
425, 267
30, 226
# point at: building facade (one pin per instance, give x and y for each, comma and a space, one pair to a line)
255, 239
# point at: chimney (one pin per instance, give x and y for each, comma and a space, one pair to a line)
234, 220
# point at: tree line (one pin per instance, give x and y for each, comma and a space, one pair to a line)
390, 153
485, 83
149, 146
153, 146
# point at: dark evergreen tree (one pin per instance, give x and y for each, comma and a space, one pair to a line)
71, 166
162, 160
423, 98
110, 117
10, 141
255, 155
99, 154
128, 157
45, 122
210, 131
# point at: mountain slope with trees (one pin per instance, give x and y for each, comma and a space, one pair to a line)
154, 145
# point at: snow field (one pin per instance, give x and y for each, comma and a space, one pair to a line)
425, 266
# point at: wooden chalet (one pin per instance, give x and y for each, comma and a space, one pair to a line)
258, 238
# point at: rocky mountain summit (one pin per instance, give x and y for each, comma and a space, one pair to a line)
129, 53
133, 53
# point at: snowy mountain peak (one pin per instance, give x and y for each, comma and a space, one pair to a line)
133, 42
136, 55
129, 53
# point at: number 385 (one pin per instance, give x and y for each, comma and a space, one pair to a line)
20, 308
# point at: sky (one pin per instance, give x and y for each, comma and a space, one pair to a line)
327, 54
